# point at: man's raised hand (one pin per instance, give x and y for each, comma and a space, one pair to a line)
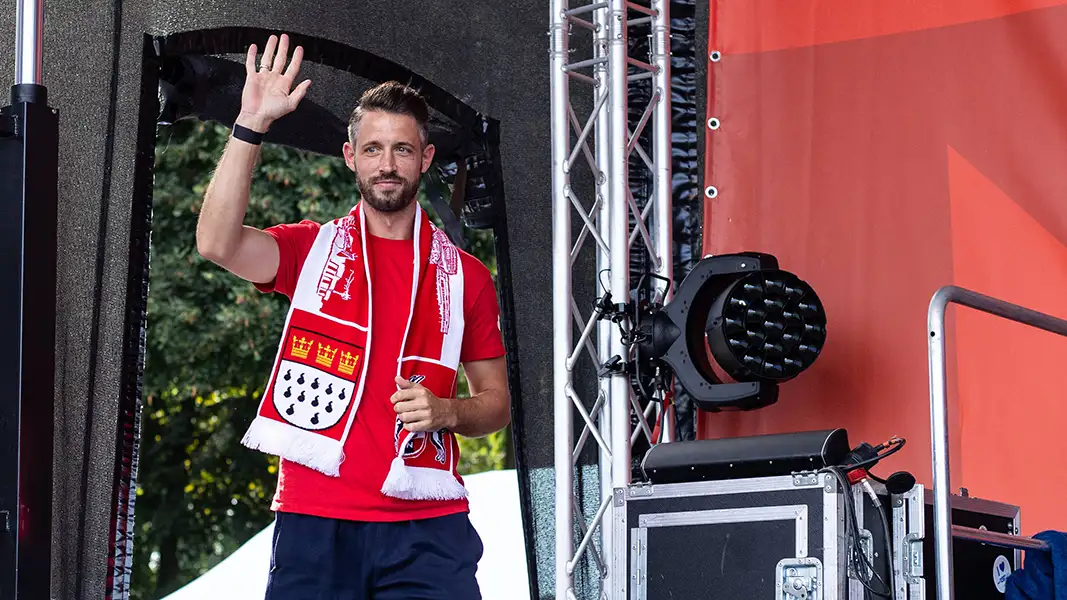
268, 93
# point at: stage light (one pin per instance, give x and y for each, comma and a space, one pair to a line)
761, 325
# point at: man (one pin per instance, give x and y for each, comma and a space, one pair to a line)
361, 402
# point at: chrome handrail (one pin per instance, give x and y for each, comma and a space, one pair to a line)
943, 529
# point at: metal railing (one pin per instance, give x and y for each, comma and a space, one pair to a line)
944, 531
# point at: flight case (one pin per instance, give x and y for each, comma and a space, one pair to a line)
784, 537
980, 569
768, 537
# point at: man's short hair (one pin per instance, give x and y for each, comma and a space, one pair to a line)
395, 98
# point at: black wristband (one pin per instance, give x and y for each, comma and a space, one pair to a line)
247, 135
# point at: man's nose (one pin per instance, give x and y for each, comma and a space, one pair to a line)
388, 164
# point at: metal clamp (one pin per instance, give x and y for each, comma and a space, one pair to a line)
943, 530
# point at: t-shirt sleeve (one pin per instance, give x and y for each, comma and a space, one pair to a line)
482, 338
294, 243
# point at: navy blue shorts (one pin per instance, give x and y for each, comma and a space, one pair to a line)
314, 558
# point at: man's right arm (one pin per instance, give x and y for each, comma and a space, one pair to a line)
221, 235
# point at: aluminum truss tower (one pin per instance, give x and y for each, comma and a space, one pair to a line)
598, 69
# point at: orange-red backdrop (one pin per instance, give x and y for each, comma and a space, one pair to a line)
882, 150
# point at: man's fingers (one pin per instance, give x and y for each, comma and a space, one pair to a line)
268, 52
404, 384
283, 52
405, 395
298, 94
404, 405
420, 426
414, 416
294, 64
250, 60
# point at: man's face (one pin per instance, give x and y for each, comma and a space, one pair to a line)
388, 159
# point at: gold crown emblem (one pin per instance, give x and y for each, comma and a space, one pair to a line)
301, 347
348, 363
325, 355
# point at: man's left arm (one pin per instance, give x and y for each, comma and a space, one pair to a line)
488, 409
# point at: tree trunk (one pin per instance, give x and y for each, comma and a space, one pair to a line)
168, 566
509, 448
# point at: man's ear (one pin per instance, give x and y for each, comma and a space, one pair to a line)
349, 153
427, 157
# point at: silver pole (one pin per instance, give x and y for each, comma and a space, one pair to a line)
939, 408
562, 330
661, 157
602, 152
661, 57
1001, 540
618, 213
939, 448
29, 45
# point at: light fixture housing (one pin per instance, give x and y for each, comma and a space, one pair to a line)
762, 326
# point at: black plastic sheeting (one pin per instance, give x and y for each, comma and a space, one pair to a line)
687, 117
688, 108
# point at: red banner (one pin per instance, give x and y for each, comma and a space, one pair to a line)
881, 153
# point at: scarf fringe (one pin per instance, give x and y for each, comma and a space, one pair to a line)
420, 483
291, 443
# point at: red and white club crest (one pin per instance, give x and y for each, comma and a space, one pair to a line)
445, 256
315, 380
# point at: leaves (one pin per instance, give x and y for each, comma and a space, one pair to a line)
211, 339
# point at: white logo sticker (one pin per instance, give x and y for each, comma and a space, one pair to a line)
1001, 571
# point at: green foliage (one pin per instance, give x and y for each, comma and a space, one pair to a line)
211, 339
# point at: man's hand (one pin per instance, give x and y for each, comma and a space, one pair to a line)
268, 93
420, 410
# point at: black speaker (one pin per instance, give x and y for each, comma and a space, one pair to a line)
749, 456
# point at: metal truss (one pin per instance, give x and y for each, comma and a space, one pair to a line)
599, 140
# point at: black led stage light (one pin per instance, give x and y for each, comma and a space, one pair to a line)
760, 324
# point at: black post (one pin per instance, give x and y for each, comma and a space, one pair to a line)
29, 165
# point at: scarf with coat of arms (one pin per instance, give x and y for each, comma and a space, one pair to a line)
317, 380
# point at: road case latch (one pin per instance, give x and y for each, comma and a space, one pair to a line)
799, 579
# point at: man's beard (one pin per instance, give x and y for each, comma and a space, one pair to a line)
388, 200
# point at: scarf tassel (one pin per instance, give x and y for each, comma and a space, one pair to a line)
305, 447
419, 483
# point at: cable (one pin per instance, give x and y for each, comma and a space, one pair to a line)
894, 444
857, 559
856, 463
600, 276
885, 530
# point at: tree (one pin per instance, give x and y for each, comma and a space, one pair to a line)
211, 339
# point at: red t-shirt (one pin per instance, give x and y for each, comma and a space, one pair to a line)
355, 495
